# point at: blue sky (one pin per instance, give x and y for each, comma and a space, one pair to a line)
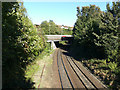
62, 13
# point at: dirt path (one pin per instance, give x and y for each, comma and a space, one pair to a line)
45, 77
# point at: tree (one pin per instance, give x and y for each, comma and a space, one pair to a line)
50, 28
96, 32
45, 27
20, 45
109, 31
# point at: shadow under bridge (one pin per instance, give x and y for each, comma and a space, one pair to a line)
56, 38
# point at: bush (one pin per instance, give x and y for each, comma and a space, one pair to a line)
20, 45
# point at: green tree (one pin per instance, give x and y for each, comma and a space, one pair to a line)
45, 27
20, 45
109, 31
50, 28
86, 28
96, 31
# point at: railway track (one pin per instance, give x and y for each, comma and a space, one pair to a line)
72, 74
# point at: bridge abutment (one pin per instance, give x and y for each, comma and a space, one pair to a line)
53, 46
56, 38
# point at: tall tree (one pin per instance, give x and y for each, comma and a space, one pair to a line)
45, 27
20, 45
50, 28
109, 30
88, 22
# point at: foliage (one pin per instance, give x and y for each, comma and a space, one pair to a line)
112, 66
87, 24
97, 33
45, 27
87, 30
49, 28
109, 32
98, 29
35, 68
20, 43
67, 32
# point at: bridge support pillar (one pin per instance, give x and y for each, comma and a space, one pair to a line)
53, 46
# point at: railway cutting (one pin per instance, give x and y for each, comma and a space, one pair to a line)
72, 74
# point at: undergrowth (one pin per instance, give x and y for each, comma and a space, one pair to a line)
37, 65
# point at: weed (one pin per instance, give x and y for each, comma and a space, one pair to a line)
112, 66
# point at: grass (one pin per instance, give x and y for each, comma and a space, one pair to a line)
63, 42
34, 69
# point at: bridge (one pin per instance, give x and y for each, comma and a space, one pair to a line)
57, 38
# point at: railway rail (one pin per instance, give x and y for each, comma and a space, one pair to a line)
72, 74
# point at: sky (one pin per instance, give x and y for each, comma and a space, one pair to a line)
62, 13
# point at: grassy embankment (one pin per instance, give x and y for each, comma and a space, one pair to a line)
35, 69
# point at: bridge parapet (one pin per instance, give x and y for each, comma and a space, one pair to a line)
56, 37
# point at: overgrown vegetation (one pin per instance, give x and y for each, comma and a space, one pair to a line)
49, 28
35, 68
96, 36
67, 31
20, 45
96, 42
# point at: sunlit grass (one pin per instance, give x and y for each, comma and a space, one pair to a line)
35, 68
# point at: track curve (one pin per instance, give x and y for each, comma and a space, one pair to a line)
72, 74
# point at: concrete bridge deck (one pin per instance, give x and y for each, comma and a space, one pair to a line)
56, 38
